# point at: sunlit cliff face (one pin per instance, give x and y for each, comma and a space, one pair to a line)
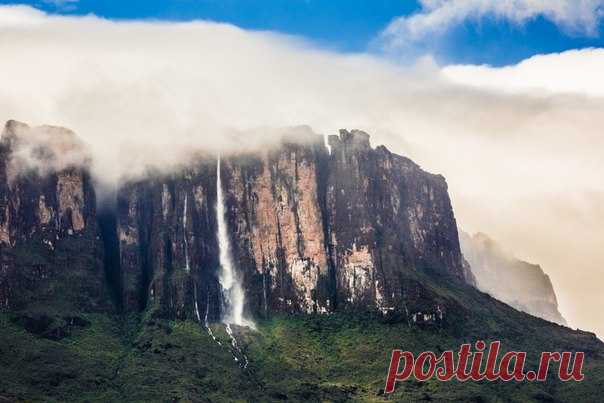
522, 158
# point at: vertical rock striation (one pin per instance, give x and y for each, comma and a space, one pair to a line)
277, 225
315, 231
385, 216
166, 227
49, 244
311, 230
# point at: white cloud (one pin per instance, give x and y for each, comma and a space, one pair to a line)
575, 71
579, 17
524, 167
20, 17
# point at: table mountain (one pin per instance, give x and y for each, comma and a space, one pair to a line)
344, 253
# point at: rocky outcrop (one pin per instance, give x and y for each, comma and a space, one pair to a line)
49, 245
520, 284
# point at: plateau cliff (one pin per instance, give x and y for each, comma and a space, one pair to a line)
51, 257
326, 231
168, 252
311, 229
344, 254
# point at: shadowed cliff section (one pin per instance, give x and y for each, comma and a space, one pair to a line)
387, 217
51, 257
166, 225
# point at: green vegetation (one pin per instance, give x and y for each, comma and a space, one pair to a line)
54, 349
332, 358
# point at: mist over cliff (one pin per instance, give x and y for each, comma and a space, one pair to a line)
312, 229
144, 94
520, 284
340, 254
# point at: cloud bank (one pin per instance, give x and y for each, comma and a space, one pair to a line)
577, 17
523, 161
575, 71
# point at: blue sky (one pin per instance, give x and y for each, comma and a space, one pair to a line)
354, 25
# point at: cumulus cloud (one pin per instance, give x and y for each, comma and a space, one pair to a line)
16, 16
522, 165
575, 71
579, 17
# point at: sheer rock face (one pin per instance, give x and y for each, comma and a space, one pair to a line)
40, 193
168, 252
385, 216
314, 231
47, 204
311, 230
520, 284
277, 225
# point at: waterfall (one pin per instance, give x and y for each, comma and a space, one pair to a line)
264, 293
184, 230
234, 298
238, 354
326, 141
196, 303
207, 323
